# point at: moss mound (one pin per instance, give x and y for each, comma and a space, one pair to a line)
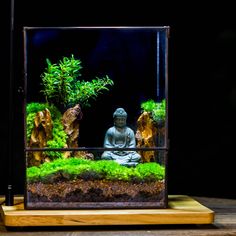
76, 168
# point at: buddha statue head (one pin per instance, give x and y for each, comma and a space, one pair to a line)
120, 117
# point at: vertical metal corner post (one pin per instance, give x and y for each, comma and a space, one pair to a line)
9, 197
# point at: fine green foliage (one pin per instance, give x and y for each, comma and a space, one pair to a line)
148, 106
30, 124
58, 133
58, 140
62, 87
33, 108
151, 171
84, 90
157, 109
76, 168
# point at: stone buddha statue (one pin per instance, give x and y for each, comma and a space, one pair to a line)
120, 136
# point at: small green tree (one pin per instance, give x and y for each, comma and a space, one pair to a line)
62, 87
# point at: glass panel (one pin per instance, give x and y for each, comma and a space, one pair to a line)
96, 95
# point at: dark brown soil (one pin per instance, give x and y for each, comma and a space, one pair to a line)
96, 191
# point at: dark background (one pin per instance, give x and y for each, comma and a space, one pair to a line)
202, 85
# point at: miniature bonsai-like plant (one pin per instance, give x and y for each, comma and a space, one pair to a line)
62, 87
62, 90
157, 109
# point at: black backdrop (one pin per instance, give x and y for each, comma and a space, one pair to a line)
202, 85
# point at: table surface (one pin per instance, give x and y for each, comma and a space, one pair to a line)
224, 224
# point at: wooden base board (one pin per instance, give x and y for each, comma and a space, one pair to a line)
181, 209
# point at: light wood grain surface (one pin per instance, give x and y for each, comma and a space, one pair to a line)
181, 209
224, 224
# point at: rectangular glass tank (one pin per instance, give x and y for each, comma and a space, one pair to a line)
96, 117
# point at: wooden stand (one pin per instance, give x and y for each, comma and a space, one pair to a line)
182, 209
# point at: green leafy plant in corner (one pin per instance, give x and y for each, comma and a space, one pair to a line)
157, 109
33, 108
62, 87
58, 133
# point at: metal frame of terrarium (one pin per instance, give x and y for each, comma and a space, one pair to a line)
164, 148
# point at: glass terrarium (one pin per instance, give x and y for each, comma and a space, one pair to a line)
96, 117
